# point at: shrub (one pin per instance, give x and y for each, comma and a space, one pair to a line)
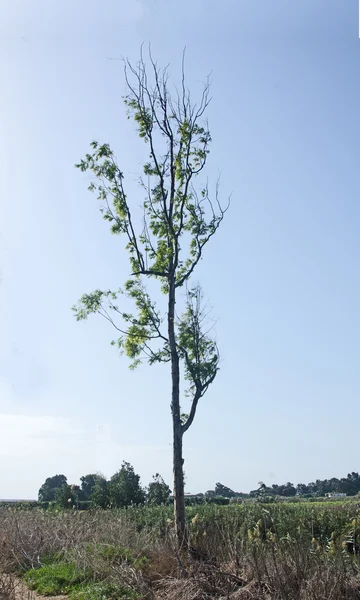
55, 578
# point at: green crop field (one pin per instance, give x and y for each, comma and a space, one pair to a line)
317, 520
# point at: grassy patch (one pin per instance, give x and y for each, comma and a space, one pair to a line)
56, 578
101, 559
104, 591
114, 554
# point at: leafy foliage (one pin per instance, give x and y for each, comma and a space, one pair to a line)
88, 483
47, 492
55, 578
158, 491
349, 485
124, 487
223, 490
69, 496
100, 493
178, 221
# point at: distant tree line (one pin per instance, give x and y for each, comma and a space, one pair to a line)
122, 489
349, 485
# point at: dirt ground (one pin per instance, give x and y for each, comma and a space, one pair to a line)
15, 589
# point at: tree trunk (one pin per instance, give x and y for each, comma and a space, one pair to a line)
179, 499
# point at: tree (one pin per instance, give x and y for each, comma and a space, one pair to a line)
100, 493
178, 220
158, 491
302, 489
68, 496
222, 490
351, 485
47, 492
312, 489
262, 491
289, 489
277, 489
124, 487
88, 483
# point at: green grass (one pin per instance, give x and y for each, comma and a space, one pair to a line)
56, 578
104, 591
66, 578
113, 553
61, 575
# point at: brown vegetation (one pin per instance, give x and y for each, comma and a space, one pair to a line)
238, 567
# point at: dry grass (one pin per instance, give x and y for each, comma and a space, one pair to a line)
224, 565
11, 588
7, 587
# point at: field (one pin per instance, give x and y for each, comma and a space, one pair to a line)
284, 551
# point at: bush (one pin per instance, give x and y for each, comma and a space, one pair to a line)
55, 578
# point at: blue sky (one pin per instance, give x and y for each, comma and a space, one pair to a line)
282, 274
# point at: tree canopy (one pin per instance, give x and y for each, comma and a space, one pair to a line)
47, 492
158, 491
88, 483
124, 487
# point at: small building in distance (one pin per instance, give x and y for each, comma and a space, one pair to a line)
335, 495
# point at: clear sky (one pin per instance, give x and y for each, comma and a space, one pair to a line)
282, 274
